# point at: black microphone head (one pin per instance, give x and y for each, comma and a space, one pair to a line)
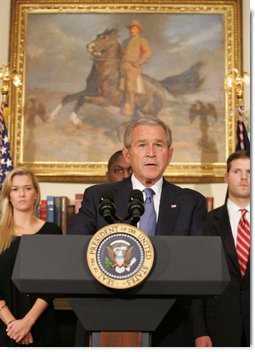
136, 194
135, 207
106, 207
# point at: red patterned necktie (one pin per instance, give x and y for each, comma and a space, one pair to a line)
243, 242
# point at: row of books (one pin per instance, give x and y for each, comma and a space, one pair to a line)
57, 209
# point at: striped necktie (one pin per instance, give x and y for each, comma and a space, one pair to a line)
148, 219
243, 242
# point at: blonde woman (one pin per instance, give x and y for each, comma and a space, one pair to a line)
24, 320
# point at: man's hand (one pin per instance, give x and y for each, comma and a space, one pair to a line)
203, 341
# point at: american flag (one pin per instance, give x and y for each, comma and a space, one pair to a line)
243, 142
5, 155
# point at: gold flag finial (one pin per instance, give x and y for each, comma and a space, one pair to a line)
234, 81
7, 78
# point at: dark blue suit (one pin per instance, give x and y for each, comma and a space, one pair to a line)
181, 212
226, 318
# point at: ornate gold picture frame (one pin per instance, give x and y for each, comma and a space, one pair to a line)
65, 127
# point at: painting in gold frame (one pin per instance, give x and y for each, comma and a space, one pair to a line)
63, 133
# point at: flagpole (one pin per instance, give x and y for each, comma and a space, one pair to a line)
234, 84
7, 79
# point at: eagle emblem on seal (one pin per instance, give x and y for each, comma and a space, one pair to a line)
120, 256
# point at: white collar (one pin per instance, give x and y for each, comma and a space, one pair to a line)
157, 187
234, 208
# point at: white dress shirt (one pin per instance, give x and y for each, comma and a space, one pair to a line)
157, 188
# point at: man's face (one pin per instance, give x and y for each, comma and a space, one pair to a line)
148, 154
238, 180
119, 170
134, 30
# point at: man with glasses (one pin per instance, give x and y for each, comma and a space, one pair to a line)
118, 168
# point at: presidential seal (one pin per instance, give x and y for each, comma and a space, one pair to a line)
120, 256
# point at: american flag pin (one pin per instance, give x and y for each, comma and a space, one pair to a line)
173, 205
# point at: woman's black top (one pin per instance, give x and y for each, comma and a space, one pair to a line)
45, 330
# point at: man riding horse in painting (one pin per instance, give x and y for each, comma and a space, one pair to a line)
135, 53
116, 72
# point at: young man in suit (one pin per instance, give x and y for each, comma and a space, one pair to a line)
179, 212
224, 321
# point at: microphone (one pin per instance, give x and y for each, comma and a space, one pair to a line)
107, 208
135, 206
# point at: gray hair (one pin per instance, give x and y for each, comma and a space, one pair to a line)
146, 121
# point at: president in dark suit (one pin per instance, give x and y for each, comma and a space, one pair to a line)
224, 321
148, 148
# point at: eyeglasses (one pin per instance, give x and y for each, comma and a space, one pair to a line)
122, 170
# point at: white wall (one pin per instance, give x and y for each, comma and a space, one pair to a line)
4, 30
218, 190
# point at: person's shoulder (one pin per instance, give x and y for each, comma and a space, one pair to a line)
108, 186
218, 212
193, 193
186, 192
143, 40
108, 189
171, 187
93, 193
99, 188
120, 184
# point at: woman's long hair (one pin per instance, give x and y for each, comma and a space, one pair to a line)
6, 208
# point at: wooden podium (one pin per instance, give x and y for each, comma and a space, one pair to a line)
183, 267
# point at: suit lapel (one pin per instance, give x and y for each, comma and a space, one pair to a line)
168, 210
223, 228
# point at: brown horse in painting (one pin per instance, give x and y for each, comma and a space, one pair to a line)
103, 82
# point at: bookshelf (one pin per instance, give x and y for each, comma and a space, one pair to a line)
216, 190
59, 209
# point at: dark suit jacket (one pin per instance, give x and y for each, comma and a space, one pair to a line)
185, 218
226, 317
181, 212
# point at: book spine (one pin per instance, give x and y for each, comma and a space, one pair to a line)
50, 208
43, 209
57, 211
70, 214
64, 204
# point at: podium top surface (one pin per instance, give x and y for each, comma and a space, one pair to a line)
184, 265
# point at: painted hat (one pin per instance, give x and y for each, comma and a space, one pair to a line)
137, 24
